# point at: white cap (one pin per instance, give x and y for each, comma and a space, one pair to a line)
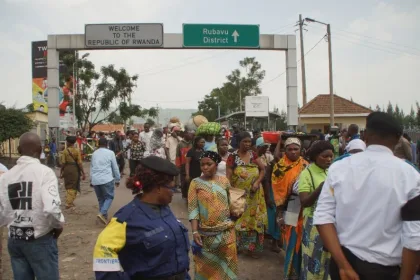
356, 144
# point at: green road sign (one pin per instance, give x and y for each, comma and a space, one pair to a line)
221, 36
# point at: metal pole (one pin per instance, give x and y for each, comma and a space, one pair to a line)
75, 90
240, 100
302, 61
331, 75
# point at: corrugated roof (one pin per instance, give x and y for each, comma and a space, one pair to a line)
321, 105
109, 127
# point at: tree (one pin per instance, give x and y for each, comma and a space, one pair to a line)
209, 106
240, 83
418, 114
105, 96
14, 123
378, 109
410, 120
30, 107
150, 121
281, 123
398, 114
390, 109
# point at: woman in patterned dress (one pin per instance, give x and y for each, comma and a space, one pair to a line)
213, 230
283, 177
245, 171
315, 259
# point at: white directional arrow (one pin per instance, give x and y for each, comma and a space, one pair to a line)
235, 36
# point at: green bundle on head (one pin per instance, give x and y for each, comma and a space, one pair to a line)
210, 128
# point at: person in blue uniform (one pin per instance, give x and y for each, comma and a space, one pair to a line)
144, 238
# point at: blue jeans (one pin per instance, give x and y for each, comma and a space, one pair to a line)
37, 258
105, 195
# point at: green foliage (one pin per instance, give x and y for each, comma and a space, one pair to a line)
281, 123
106, 93
13, 124
240, 83
410, 120
150, 121
30, 107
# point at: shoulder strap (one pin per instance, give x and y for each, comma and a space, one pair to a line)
71, 155
312, 178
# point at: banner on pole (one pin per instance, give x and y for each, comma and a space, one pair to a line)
40, 85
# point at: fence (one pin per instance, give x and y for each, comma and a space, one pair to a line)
414, 134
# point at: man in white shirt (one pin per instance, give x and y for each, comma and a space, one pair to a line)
359, 209
2, 169
104, 175
146, 135
30, 207
171, 146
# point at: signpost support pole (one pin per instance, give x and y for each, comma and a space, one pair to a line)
53, 83
291, 82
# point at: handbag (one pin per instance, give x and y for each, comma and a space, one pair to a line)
237, 202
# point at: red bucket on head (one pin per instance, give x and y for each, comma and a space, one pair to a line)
271, 137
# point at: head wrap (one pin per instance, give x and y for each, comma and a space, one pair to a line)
156, 139
261, 143
356, 144
292, 140
211, 155
175, 128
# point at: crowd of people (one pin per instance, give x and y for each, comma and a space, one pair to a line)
345, 206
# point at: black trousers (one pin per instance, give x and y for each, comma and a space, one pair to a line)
121, 163
184, 185
365, 270
133, 165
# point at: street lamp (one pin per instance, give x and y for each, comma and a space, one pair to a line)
75, 88
330, 67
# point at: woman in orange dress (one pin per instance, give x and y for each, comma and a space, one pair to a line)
285, 173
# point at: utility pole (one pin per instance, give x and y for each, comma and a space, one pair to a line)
331, 75
330, 67
302, 61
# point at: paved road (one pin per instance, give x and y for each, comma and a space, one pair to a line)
77, 242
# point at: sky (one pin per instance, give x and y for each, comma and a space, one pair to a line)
375, 45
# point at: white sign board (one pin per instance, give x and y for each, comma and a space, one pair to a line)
124, 36
256, 106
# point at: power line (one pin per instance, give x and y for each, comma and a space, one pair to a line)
181, 65
281, 74
373, 38
379, 47
376, 45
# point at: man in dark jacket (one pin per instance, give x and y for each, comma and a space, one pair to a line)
116, 145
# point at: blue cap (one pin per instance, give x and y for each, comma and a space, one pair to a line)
260, 142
